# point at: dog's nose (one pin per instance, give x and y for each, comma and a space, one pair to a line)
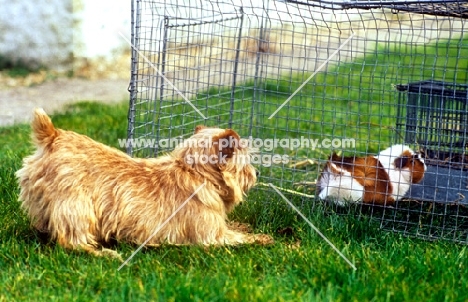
257, 172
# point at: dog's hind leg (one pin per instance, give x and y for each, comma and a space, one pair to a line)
234, 238
89, 248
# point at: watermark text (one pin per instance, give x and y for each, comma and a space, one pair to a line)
268, 144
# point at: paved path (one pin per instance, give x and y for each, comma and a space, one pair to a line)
16, 104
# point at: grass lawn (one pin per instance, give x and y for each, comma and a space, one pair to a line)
353, 100
299, 266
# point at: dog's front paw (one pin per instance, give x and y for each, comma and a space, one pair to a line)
263, 239
111, 253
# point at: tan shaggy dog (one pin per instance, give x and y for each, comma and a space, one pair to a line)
83, 193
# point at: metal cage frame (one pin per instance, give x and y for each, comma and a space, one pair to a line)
336, 69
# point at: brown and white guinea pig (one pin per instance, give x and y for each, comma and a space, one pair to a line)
381, 179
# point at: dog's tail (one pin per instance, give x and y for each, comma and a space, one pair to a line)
43, 131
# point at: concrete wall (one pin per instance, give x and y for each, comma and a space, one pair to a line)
54, 33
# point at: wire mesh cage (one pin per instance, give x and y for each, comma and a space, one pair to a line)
437, 119
303, 79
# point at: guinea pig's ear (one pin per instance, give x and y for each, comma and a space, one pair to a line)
400, 162
199, 128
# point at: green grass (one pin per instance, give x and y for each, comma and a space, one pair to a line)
16, 68
354, 99
299, 266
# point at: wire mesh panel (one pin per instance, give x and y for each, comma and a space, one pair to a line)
436, 119
434, 116
194, 63
303, 79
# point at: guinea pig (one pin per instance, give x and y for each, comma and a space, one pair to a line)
381, 179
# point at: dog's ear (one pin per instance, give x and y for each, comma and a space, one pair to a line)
199, 128
227, 142
401, 162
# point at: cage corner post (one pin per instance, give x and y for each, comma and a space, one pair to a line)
134, 21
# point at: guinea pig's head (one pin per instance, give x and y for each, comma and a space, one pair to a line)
412, 162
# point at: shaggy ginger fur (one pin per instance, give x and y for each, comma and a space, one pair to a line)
83, 193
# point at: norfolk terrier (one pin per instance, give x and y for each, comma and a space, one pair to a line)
84, 194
